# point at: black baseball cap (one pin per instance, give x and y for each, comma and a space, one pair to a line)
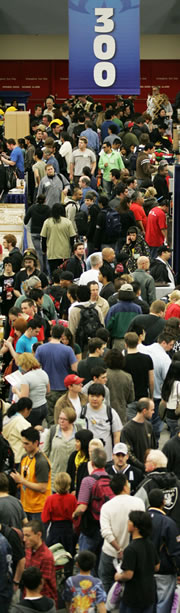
164, 249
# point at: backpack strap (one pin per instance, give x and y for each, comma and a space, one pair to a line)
110, 420
83, 414
52, 434
62, 179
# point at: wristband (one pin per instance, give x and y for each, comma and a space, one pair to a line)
15, 582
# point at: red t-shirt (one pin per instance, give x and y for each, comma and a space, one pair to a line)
156, 222
139, 213
173, 310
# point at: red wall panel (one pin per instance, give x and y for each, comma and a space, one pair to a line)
42, 77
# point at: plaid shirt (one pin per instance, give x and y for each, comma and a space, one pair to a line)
42, 558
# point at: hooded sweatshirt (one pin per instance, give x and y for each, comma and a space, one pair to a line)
43, 603
168, 482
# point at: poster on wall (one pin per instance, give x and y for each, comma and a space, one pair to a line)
104, 40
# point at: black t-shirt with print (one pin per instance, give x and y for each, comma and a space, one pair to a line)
141, 557
7, 296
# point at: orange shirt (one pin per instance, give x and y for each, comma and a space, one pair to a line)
36, 470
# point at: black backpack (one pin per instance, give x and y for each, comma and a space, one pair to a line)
81, 222
113, 224
10, 178
88, 324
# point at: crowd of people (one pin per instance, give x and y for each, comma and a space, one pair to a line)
90, 364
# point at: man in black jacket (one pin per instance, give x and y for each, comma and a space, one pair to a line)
159, 477
160, 182
108, 225
160, 270
76, 264
9, 243
166, 540
92, 218
120, 464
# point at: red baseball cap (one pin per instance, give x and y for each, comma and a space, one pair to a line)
72, 380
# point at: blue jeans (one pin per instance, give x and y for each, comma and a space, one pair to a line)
107, 186
92, 543
165, 588
31, 516
157, 423
153, 252
173, 425
36, 239
106, 570
37, 415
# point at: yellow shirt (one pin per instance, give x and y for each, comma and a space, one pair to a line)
35, 470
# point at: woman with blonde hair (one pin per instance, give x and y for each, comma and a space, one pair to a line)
149, 199
60, 441
57, 513
34, 385
173, 308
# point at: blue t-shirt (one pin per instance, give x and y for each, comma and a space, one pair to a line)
17, 157
25, 344
56, 359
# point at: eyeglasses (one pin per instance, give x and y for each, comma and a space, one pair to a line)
63, 419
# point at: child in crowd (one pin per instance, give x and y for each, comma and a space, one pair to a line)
83, 592
57, 514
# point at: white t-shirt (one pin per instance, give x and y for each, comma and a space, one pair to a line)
66, 152
174, 396
97, 422
90, 275
77, 405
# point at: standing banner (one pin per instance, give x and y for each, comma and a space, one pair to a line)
104, 40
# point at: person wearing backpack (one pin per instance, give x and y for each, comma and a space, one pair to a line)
114, 516
102, 420
94, 491
108, 225
84, 317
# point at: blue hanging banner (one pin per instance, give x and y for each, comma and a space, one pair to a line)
104, 40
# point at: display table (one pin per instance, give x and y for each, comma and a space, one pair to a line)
163, 290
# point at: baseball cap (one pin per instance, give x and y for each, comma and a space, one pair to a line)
55, 122
163, 163
72, 379
164, 249
120, 448
29, 255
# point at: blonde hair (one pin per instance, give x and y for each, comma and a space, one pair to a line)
62, 483
150, 192
95, 443
70, 413
27, 361
175, 295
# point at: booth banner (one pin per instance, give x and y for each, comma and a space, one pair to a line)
104, 40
